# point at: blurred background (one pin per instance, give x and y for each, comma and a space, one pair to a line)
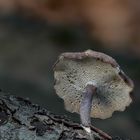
34, 32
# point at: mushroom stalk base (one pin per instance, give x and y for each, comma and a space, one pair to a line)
85, 107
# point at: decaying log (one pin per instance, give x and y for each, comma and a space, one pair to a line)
22, 120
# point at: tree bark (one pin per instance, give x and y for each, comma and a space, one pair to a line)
22, 120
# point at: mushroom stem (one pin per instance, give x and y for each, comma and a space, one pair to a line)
85, 107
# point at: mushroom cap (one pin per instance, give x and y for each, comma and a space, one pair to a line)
73, 71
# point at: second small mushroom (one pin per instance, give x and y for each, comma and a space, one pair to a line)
91, 84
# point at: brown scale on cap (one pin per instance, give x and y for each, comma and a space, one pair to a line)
74, 71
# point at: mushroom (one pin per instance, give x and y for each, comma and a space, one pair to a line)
91, 84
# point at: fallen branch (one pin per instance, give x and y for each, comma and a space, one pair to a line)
20, 119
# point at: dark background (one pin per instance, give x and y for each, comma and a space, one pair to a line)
28, 49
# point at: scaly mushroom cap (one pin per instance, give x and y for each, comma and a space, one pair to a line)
73, 71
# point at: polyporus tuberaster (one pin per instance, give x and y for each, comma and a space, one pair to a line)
92, 84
